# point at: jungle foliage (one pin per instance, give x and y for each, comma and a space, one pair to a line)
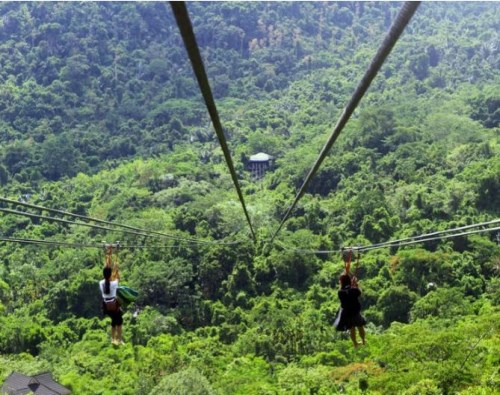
100, 115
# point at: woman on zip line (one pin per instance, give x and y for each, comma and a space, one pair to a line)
110, 304
349, 316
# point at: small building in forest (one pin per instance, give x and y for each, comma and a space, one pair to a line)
259, 164
40, 384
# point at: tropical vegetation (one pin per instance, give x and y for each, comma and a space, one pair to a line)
101, 116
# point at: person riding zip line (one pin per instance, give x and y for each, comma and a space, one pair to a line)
350, 313
110, 304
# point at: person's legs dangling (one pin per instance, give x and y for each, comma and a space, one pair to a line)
361, 330
353, 336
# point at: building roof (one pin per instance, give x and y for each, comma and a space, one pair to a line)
17, 383
41, 384
46, 380
261, 157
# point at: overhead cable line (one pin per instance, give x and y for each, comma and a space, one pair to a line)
54, 211
368, 248
131, 229
442, 235
186, 29
46, 242
439, 232
65, 221
390, 40
55, 243
394, 243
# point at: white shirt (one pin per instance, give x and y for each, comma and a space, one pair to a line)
113, 286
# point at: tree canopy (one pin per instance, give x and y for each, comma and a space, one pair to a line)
100, 115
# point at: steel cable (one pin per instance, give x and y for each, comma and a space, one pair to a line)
402, 242
131, 229
186, 29
390, 40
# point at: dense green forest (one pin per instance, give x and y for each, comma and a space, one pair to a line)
100, 115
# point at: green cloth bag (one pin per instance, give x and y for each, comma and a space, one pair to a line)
126, 295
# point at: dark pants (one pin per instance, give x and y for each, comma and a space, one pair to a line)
116, 316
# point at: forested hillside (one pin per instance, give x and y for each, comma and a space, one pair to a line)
101, 116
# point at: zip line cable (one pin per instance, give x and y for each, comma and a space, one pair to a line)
395, 243
186, 29
82, 245
65, 221
404, 242
390, 40
399, 244
436, 233
132, 230
46, 242
51, 210
368, 248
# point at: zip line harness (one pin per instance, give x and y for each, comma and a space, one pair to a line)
347, 257
110, 262
125, 295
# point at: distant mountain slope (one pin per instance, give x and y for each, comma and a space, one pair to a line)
96, 82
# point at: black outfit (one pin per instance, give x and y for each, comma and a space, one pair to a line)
116, 316
350, 313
